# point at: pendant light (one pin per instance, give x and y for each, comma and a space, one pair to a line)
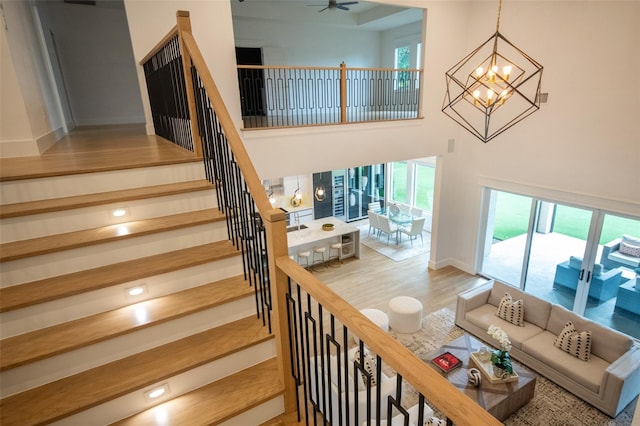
493, 87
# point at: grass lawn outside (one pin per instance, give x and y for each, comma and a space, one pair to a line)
512, 219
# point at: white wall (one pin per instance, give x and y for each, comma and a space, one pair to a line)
150, 20
95, 54
305, 44
32, 127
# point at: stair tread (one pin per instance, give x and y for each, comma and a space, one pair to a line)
35, 292
70, 240
217, 402
42, 343
87, 200
72, 394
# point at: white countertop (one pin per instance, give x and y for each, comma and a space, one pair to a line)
314, 232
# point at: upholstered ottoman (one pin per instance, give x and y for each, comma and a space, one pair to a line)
377, 317
405, 314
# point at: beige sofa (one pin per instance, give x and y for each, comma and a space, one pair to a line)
608, 381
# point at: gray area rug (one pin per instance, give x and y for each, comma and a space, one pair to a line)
551, 404
395, 252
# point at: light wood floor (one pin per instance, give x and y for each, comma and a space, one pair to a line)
372, 280
97, 148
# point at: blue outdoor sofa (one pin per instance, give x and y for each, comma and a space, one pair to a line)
604, 283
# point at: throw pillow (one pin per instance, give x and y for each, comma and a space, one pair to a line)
369, 364
629, 249
511, 311
574, 343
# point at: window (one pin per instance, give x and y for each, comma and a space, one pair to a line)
399, 182
423, 187
412, 183
402, 61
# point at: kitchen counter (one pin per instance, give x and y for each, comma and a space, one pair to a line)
314, 236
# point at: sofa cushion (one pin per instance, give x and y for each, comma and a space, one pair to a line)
606, 343
485, 315
575, 262
574, 343
588, 374
629, 249
630, 239
624, 259
511, 311
537, 312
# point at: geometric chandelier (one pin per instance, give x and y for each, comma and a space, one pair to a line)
492, 88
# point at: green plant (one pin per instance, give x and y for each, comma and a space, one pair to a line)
500, 357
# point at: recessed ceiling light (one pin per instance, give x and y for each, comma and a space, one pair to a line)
157, 392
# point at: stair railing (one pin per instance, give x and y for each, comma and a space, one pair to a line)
286, 96
311, 323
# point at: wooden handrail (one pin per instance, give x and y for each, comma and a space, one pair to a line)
457, 406
289, 67
171, 34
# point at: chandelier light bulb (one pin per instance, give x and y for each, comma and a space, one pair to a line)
506, 71
479, 72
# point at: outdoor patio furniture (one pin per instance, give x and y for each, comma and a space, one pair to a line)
604, 283
628, 300
612, 257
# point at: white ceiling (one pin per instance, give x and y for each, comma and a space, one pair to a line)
364, 15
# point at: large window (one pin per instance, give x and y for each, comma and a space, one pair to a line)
566, 254
412, 183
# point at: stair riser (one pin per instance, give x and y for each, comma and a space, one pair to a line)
56, 367
258, 415
47, 314
60, 263
39, 225
180, 384
89, 183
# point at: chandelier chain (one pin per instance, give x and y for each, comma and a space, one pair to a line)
499, 10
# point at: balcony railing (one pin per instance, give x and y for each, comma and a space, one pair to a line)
304, 96
309, 321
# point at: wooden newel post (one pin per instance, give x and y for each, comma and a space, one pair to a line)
184, 26
276, 229
343, 93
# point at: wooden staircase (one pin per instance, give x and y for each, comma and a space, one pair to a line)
78, 348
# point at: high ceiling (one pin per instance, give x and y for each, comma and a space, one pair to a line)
363, 15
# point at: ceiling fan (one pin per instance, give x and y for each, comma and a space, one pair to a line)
334, 4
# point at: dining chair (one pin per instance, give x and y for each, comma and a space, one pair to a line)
414, 230
387, 227
416, 212
404, 208
375, 206
373, 222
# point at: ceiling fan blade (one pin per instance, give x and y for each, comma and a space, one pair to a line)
341, 7
345, 3
322, 10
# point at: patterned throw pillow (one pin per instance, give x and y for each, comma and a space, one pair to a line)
511, 311
369, 364
574, 343
629, 249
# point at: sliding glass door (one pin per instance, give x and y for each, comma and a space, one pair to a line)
569, 255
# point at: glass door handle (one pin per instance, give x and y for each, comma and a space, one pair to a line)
588, 276
581, 274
